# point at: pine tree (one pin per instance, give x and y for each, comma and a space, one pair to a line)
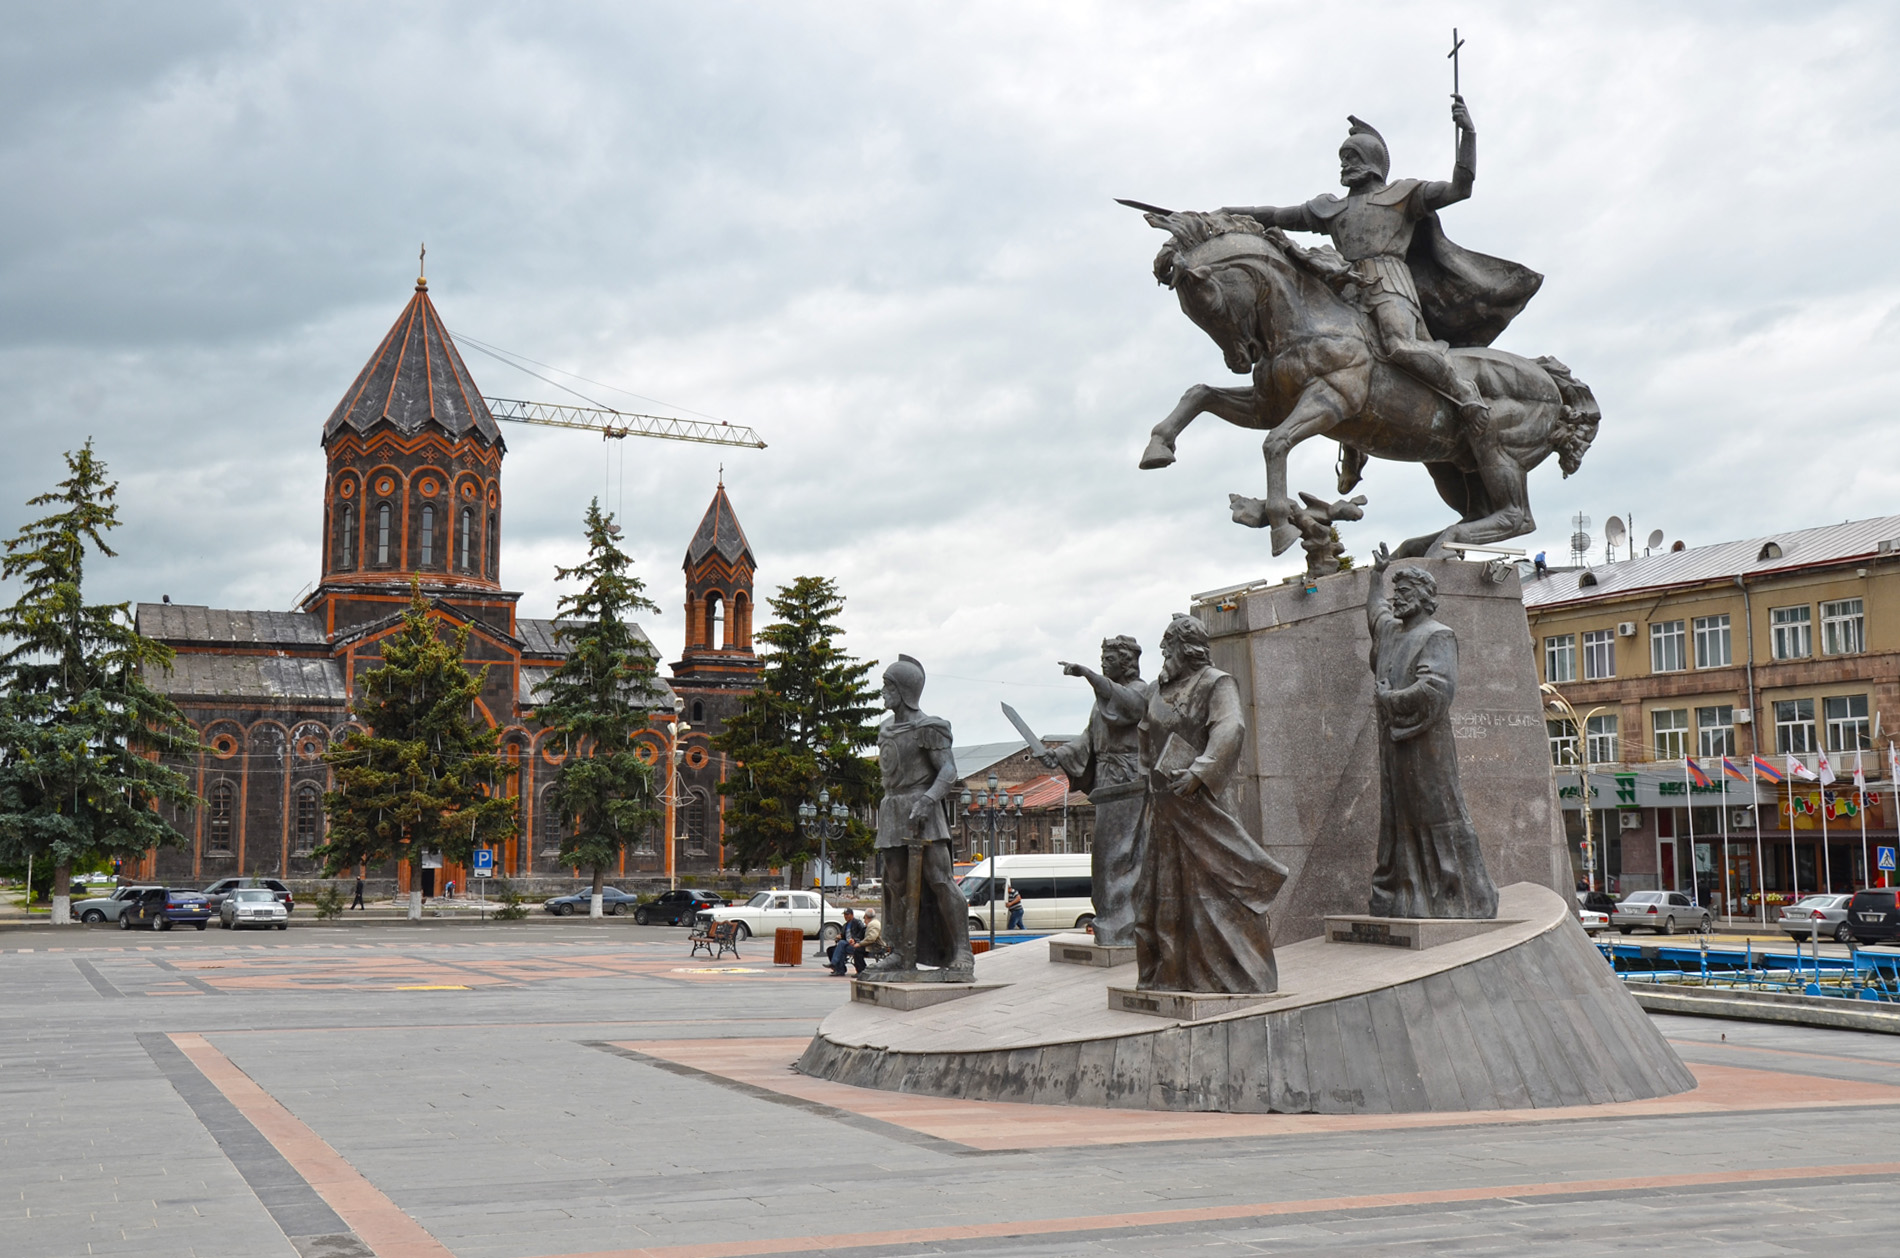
801, 731
597, 700
426, 775
81, 733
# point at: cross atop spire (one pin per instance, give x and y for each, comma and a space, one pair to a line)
422, 269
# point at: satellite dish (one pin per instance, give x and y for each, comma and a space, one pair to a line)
1580, 542
1613, 530
1655, 540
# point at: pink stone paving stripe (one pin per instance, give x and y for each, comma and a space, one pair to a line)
997, 1125
374, 1218
1249, 1210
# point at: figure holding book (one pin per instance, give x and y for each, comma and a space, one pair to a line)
1201, 922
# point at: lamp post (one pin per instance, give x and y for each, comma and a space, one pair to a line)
669, 793
829, 820
992, 803
1557, 703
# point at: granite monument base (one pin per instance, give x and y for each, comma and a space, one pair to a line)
1309, 773
1082, 950
907, 996
1405, 932
1185, 1006
1525, 1015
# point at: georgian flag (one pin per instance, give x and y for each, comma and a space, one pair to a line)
1860, 774
1798, 770
1826, 773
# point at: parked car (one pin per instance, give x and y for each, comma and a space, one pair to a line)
613, 902
252, 906
105, 908
1598, 902
1873, 916
1592, 921
1057, 891
779, 910
216, 892
161, 908
1817, 916
678, 907
1664, 912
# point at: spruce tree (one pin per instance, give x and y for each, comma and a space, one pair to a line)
801, 731
426, 775
596, 701
81, 734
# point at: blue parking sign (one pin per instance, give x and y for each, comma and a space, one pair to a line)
1885, 859
483, 863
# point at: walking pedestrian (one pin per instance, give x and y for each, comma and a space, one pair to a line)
357, 903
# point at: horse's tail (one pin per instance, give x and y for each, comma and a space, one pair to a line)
1573, 432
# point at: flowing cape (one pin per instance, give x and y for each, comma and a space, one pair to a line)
1467, 298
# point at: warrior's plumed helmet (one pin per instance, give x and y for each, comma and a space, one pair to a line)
907, 678
1365, 141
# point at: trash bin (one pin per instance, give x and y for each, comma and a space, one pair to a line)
788, 946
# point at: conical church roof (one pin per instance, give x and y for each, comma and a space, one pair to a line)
719, 531
416, 377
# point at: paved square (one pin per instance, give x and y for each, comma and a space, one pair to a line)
574, 1088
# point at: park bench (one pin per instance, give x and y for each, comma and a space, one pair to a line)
717, 938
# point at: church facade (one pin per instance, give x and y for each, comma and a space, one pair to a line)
413, 495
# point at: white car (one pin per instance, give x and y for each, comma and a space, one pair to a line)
105, 908
1592, 921
252, 906
780, 910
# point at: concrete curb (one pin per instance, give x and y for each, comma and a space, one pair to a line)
1750, 1006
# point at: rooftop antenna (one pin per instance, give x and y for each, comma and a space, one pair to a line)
1613, 534
1579, 539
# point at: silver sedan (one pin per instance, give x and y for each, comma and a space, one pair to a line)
1825, 915
252, 906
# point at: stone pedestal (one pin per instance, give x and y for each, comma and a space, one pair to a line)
1184, 1006
1406, 932
1083, 950
1309, 776
907, 996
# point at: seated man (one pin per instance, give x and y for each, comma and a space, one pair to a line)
872, 942
841, 951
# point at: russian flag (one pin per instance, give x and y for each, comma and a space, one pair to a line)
1729, 770
1770, 772
1696, 774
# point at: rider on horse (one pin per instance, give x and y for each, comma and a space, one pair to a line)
1375, 230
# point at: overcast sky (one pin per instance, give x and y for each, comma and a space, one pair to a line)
884, 235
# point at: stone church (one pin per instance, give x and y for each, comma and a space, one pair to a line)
413, 492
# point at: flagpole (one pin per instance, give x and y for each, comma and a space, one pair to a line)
1794, 866
1860, 802
1728, 896
1695, 896
1893, 776
1761, 885
1827, 859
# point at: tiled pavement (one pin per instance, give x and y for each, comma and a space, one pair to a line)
586, 1089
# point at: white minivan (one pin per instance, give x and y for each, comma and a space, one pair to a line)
1056, 891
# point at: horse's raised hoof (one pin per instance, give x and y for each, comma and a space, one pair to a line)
1158, 454
1251, 512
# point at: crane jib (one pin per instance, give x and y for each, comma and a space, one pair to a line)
619, 424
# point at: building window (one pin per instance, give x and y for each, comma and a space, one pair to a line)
1563, 742
1715, 728
1843, 627
1671, 726
699, 712
428, 536
309, 819
494, 546
347, 559
1794, 725
1712, 642
1846, 717
218, 829
1600, 739
468, 537
1560, 658
1668, 647
695, 812
382, 533
715, 619
1599, 654
1791, 632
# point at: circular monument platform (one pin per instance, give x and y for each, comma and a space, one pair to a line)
1521, 1014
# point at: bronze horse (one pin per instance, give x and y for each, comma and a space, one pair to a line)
1272, 307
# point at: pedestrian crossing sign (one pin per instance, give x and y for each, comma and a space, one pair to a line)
1884, 860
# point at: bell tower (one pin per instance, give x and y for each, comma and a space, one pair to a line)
719, 567
412, 488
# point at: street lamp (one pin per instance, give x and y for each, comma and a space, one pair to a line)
670, 789
1560, 705
991, 803
829, 820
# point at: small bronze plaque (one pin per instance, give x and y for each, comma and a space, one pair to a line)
1138, 1002
1077, 954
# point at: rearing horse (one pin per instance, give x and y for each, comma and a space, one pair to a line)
1271, 307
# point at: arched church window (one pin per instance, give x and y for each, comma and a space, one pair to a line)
494, 547
741, 622
348, 558
428, 536
715, 619
468, 537
382, 533
699, 711
694, 822
218, 829
309, 818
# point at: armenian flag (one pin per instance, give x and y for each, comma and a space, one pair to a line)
1696, 774
1765, 770
1729, 770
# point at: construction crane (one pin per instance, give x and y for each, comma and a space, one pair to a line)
619, 424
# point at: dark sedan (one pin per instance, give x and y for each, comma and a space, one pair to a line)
1873, 916
613, 902
160, 908
676, 908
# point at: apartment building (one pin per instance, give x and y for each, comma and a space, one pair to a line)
1777, 646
